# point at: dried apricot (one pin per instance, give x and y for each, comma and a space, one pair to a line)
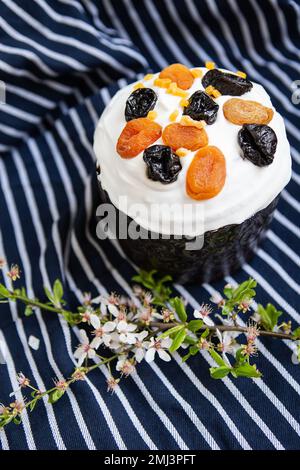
136, 136
241, 112
206, 174
190, 137
179, 74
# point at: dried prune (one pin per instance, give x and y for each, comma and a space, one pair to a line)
206, 174
139, 103
136, 136
258, 143
162, 163
202, 107
240, 111
190, 137
179, 74
226, 83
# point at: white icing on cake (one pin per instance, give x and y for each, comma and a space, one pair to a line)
247, 190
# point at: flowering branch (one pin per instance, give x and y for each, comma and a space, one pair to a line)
152, 322
241, 329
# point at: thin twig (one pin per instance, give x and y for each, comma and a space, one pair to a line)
42, 306
161, 326
242, 329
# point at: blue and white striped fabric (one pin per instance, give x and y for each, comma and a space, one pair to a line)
61, 61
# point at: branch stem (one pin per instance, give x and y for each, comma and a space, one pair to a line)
161, 326
36, 303
242, 329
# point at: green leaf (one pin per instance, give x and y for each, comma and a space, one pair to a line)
195, 325
241, 293
226, 309
178, 340
148, 284
28, 311
194, 350
164, 279
205, 333
269, 316
217, 358
228, 292
71, 318
58, 290
296, 333
219, 372
145, 278
246, 370
169, 332
245, 290
32, 405
4, 293
186, 357
23, 292
240, 357
17, 420
179, 307
190, 340
55, 396
4, 421
137, 278
161, 293
48, 294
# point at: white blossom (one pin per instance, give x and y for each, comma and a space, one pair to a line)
115, 312
87, 315
203, 314
216, 298
227, 343
160, 347
126, 332
112, 384
147, 314
113, 342
140, 346
101, 332
295, 346
125, 366
86, 298
85, 349
107, 304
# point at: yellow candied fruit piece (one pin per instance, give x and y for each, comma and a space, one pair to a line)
173, 89
241, 74
162, 82
188, 121
210, 65
152, 115
148, 76
182, 152
216, 93
184, 102
173, 115
197, 73
209, 90
138, 85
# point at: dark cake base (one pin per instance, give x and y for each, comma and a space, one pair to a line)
223, 252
